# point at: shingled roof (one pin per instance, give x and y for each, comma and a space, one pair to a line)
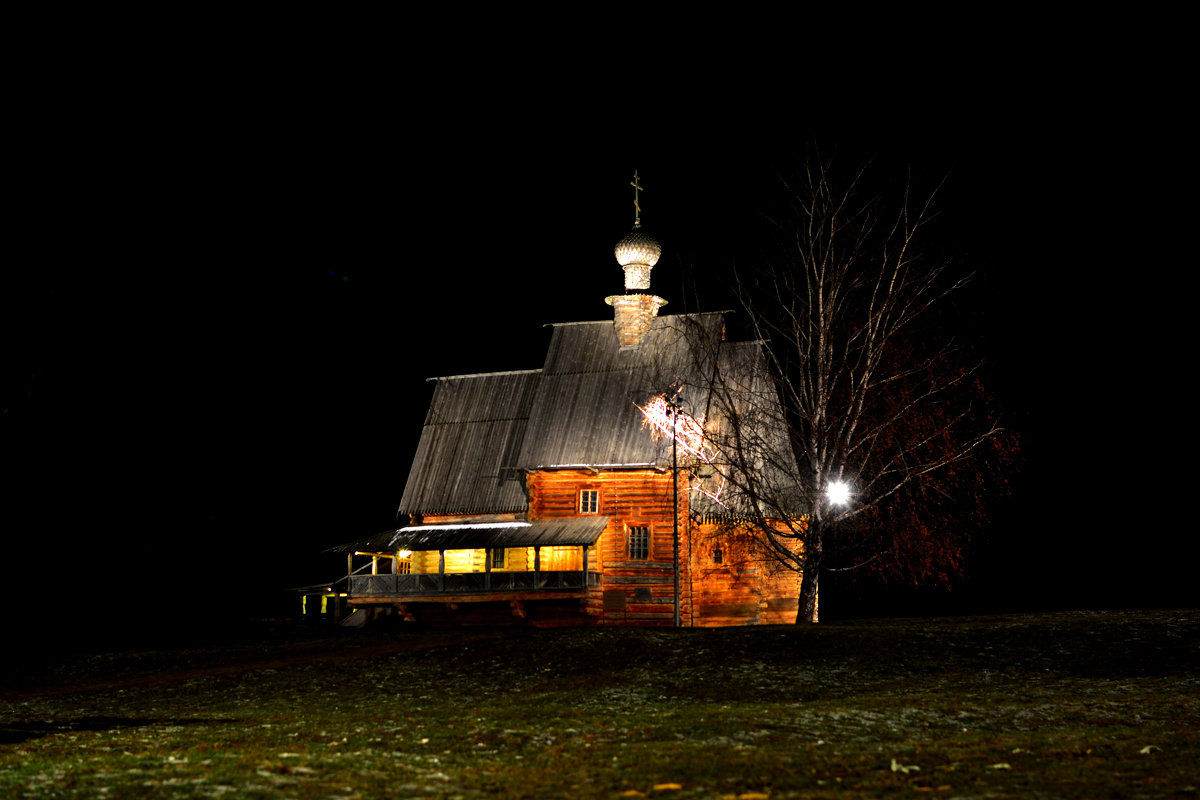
580, 410
585, 412
466, 460
741, 387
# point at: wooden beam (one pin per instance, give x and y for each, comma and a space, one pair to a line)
494, 597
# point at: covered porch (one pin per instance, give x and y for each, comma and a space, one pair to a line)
467, 562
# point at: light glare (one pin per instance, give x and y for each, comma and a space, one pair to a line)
839, 493
689, 434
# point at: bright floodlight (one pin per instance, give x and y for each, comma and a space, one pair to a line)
839, 493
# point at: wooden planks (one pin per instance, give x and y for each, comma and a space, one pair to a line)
631, 499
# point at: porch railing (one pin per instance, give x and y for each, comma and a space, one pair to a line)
433, 583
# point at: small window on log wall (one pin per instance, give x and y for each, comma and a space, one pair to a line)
639, 543
589, 501
498, 558
718, 556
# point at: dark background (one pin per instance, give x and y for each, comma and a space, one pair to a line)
233, 275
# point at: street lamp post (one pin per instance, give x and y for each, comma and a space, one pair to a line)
673, 403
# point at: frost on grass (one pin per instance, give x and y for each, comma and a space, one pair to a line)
788, 709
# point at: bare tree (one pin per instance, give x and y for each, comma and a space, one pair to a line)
862, 393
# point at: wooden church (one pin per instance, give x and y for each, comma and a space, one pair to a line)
579, 493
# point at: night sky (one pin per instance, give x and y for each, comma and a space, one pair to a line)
216, 354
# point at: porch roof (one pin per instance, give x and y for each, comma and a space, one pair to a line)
568, 531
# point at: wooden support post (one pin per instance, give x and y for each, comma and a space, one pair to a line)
487, 568
675, 501
585, 566
442, 570
537, 567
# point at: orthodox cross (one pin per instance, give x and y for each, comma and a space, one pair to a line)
637, 208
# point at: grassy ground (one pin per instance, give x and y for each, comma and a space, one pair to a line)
1082, 705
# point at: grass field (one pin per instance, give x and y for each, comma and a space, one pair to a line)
1087, 704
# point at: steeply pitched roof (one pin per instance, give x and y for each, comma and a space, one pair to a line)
465, 461
582, 409
586, 408
757, 457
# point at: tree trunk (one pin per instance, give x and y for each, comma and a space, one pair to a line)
806, 610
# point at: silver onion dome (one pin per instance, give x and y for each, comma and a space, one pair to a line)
638, 247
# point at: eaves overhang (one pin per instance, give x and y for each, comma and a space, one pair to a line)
564, 532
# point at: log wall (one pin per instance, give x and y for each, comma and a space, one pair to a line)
745, 588
630, 499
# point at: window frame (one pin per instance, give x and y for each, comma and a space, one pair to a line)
589, 508
639, 537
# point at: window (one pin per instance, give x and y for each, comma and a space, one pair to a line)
498, 558
589, 501
639, 543
718, 556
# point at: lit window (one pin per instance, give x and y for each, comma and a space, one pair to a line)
589, 501
498, 558
639, 543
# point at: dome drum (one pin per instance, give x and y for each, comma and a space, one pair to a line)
637, 276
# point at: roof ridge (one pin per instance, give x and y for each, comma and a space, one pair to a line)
484, 374
659, 317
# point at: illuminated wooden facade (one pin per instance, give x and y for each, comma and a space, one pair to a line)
544, 497
547, 495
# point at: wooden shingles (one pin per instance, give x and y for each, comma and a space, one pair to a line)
581, 410
465, 459
586, 409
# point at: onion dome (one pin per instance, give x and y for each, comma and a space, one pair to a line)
638, 247
636, 254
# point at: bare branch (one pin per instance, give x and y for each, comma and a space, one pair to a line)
863, 394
